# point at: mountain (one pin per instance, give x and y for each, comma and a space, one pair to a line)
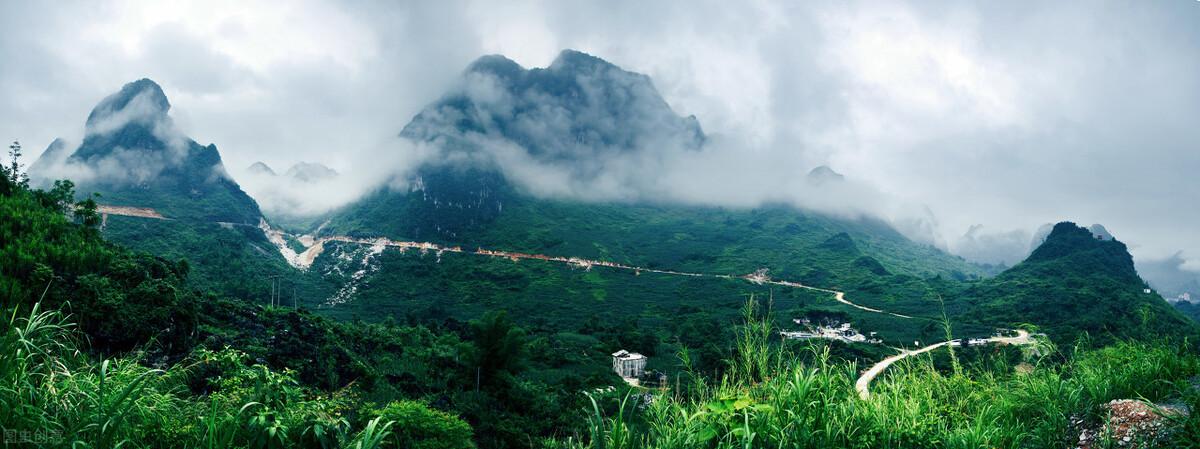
576, 115
1099, 231
54, 156
1007, 248
577, 109
1171, 278
310, 172
823, 175
133, 155
300, 171
995, 248
1077, 281
260, 168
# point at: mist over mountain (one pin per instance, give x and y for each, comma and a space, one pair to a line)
1173, 277
983, 245
310, 172
581, 127
488, 225
304, 190
942, 109
587, 130
1077, 281
575, 115
996, 248
260, 168
134, 155
823, 175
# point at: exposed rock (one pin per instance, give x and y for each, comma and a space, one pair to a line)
1130, 424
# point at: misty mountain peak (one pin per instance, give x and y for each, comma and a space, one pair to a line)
496, 65
822, 175
310, 172
260, 168
55, 154
139, 100
134, 155
578, 112
577, 61
1100, 232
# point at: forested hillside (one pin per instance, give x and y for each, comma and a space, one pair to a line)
105, 347
1076, 283
133, 155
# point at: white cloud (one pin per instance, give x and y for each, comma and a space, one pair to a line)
1011, 115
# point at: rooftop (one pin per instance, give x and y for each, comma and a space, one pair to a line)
626, 355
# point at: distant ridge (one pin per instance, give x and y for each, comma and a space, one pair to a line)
1078, 283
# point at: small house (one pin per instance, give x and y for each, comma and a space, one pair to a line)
629, 365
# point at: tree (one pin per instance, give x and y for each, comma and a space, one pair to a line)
499, 347
85, 212
60, 197
14, 171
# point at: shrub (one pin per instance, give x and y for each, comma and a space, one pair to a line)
417, 426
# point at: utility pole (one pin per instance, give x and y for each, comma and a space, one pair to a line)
276, 290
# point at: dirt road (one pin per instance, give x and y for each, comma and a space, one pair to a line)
863, 384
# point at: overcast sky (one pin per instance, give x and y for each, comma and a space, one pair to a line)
1004, 114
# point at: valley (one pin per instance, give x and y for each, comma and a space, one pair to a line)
546, 258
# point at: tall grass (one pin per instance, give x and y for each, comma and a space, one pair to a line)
771, 400
52, 395
768, 398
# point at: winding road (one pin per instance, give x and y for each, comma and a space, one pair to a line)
863, 385
314, 246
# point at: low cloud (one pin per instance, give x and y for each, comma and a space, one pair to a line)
1171, 276
120, 165
616, 140
985, 113
997, 248
296, 195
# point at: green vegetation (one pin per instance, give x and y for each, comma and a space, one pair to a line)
774, 398
1076, 284
103, 347
1188, 309
235, 261
66, 399
794, 244
144, 161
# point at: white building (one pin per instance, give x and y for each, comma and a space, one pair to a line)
829, 331
629, 365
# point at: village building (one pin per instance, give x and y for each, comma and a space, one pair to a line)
829, 330
629, 365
